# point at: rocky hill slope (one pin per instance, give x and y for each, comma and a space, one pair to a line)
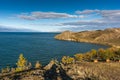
76, 71
110, 36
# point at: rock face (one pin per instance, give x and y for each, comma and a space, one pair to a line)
110, 36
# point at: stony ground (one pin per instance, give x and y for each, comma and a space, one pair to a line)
94, 71
76, 71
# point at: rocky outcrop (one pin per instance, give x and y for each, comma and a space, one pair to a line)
109, 36
74, 71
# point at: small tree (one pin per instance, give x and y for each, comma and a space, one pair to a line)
21, 64
101, 53
108, 54
38, 65
87, 56
93, 54
79, 57
67, 60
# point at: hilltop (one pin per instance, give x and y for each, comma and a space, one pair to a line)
110, 36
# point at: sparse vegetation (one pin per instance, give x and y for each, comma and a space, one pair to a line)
79, 67
38, 65
102, 55
6, 70
67, 60
93, 71
79, 57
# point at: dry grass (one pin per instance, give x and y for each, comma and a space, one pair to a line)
76, 71
94, 71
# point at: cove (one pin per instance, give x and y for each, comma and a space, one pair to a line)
38, 47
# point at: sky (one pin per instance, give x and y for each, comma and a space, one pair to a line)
58, 15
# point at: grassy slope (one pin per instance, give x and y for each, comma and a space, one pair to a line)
94, 71
108, 36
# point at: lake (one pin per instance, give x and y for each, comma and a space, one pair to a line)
38, 47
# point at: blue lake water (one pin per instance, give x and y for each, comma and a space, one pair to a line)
38, 47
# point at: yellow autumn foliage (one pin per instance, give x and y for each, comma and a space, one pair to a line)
21, 64
67, 60
38, 65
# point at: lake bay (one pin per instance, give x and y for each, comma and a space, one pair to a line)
38, 47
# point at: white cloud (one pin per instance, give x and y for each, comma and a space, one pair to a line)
109, 18
81, 16
113, 15
45, 15
108, 14
86, 11
87, 19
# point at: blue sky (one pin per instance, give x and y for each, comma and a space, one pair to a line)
58, 15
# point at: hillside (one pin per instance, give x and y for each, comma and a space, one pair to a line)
110, 36
77, 71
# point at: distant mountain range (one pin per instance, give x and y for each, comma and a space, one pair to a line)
110, 36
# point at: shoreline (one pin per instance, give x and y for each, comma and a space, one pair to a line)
105, 44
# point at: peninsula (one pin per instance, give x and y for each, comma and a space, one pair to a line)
110, 36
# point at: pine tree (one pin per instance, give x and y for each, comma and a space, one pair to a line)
21, 64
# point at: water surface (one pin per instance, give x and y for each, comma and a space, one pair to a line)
38, 47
